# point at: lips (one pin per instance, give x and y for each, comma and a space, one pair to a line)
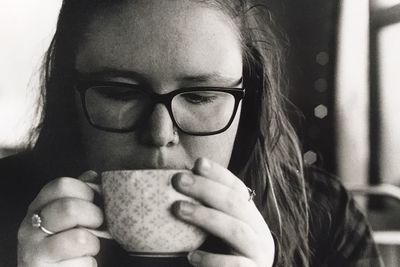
157, 160
165, 165
162, 160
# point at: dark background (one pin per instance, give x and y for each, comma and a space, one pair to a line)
311, 26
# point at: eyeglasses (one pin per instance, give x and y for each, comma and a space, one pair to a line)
121, 107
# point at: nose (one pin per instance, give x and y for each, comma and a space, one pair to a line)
160, 130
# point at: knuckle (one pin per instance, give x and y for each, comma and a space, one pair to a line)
205, 215
230, 203
62, 184
68, 207
81, 237
238, 232
231, 200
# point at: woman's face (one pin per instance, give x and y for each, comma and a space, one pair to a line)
167, 45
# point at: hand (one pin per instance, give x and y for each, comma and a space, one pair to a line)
225, 212
66, 207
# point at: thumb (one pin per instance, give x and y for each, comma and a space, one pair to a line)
92, 179
89, 176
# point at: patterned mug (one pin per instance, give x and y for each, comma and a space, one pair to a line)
138, 213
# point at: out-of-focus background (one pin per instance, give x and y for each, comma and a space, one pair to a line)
26, 28
344, 68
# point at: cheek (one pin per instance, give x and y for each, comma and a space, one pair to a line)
99, 147
215, 147
106, 151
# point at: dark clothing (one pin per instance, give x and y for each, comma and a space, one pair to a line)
340, 235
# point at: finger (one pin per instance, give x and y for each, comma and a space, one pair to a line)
74, 243
61, 188
220, 197
67, 213
207, 259
92, 179
95, 187
79, 262
89, 177
220, 174
239, 235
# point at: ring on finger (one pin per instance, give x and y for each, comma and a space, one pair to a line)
252, 193
37, 221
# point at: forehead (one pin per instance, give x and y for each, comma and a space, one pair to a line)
167, 37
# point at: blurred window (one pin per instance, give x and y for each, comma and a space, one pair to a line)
368, 112
385, 91
368, 92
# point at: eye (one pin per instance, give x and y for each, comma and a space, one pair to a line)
199, 97
118, 93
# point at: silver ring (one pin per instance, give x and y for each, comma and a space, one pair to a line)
36, 222
252, 193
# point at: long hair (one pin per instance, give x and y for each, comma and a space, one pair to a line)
266, 155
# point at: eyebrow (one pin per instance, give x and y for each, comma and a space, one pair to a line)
212, 77
110, 73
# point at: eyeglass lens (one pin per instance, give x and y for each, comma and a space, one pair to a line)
122, 108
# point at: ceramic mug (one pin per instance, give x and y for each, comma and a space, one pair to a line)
138, 215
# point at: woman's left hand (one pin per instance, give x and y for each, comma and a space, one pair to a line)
227, 213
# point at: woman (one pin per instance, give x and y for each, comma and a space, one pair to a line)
209, 79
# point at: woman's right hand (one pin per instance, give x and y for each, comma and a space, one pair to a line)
66, 208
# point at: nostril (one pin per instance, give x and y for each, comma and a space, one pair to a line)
175, 139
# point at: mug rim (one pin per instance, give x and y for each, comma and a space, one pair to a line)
143, 170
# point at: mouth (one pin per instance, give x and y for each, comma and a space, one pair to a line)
155, 159
160, 161
163, 163
164, 167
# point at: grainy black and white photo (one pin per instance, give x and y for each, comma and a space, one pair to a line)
209, 133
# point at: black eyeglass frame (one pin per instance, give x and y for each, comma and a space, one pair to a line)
166, 99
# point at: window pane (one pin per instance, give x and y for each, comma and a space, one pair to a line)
352, 93
389, 84
378, 4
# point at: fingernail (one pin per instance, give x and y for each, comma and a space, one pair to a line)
186, 180
186, 208
194, 257
88, 176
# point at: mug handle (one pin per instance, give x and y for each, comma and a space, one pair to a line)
98, 233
